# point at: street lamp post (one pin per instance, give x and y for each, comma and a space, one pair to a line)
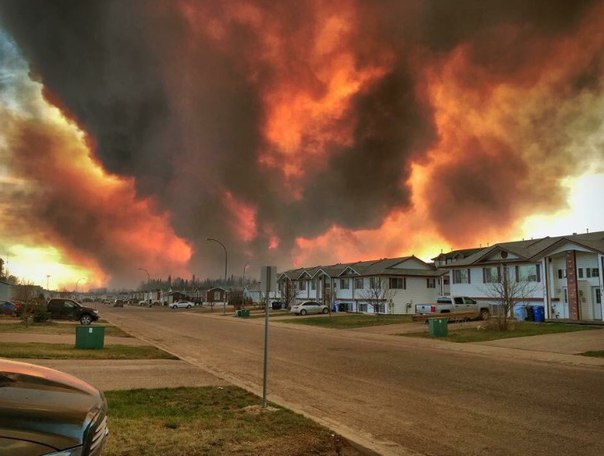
243, 286
226, 260
77, 282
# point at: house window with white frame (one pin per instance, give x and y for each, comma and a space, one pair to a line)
302, 285
580, 271
431, 282
313, 284
528, 273
490, 275
345, 283
358, 283
461, 276
375, 283
592, 272
561, 273
363, 307
399, 283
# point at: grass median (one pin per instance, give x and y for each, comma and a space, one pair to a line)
53, 328
350, 321
517, 329
211, 421
68, 351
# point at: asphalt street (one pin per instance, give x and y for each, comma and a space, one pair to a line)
395, 395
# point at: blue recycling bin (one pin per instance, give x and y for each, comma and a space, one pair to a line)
539, 314
520, 312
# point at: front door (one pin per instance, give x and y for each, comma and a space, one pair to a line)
597, 302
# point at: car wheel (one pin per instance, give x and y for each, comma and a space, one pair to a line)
85, 319
303, 312
324, 311
485, 314
174, 307
189, 306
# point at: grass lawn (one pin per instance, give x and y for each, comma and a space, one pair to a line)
55, 328
210, 421
68, 351
594, 354
518, 329
350, 321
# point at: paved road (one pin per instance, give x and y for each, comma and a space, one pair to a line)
396, 395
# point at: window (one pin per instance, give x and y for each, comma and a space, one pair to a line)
446, 280
380, 308
302, 285
358, 283
461, 276
375, 283
398, 283
490, 275
580, 271
345, 284
562, 273
430, 282
313, 284
363, 307
593, 272
528, 273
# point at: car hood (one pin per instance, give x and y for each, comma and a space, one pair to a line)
45, 406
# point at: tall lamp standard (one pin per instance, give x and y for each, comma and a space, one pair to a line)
226, 260
243, 286
77, 282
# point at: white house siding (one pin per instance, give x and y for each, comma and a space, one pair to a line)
480, 290
5, 292
417, 292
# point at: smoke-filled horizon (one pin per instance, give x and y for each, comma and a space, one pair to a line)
296, 133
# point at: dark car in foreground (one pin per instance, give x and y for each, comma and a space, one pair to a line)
68, 309
50, 413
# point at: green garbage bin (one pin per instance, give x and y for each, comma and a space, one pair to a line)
90, 336
438, 327
245, 313
238, 313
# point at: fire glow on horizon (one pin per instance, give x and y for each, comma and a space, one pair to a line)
298, 134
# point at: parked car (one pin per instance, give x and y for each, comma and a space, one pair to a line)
8, 308
68, 309
309, 307
47, 412
182, 304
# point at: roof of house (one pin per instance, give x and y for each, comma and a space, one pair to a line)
534, 249
383, 266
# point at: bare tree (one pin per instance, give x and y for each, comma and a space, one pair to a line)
378, 294
289, 292
508, 291
31, 303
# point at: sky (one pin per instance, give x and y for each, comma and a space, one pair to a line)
296, 133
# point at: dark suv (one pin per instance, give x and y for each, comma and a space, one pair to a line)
47, 412
68, 309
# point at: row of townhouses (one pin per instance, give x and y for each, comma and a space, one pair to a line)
563, 274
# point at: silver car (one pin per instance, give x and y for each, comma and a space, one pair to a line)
309, 307
182, 304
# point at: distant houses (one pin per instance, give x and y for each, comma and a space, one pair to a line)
564, 274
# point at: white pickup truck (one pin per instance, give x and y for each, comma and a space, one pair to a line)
449, 304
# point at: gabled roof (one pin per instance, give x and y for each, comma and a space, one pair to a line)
534, 249
384, 266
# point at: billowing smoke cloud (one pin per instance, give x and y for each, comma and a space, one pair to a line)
272, 124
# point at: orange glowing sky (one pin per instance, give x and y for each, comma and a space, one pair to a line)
299, 135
